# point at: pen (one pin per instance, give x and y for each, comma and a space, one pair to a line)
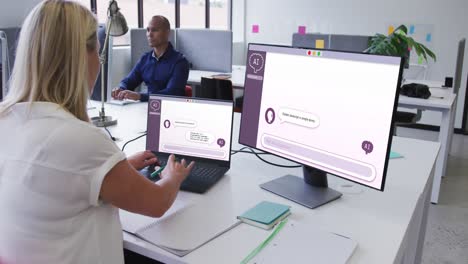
157, 172
264, 243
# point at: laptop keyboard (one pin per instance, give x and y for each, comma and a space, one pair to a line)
201, 178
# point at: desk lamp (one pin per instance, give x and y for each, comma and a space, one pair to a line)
115, 26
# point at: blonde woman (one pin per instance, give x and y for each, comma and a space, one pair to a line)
61, 179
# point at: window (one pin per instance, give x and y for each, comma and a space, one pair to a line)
158, 7
86, 3
219, 14
128, 8
192, 13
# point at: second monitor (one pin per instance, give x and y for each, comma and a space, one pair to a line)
330, 111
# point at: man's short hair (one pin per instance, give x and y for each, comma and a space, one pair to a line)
164, 22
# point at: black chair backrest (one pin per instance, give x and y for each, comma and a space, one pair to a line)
213, 88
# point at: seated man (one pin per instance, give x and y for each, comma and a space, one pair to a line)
163, 69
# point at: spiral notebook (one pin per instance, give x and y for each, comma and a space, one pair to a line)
184, 228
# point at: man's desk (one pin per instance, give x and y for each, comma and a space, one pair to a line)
388, 226
237, 76
442, 100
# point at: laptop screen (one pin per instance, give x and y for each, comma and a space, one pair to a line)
190, 127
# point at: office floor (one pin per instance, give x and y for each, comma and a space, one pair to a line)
447, 228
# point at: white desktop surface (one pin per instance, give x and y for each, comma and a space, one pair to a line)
237, 76
388, 226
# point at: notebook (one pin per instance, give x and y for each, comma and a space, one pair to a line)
265, 214
395, 155
184, 228
299, 243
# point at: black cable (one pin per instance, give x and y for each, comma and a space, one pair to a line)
131, 140
110, 135
248, 152
251, 151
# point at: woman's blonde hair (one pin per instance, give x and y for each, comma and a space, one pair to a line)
51, 59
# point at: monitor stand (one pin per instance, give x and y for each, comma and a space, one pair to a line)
312, 191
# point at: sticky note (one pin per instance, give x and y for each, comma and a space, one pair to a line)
428, 37
411, 29
390, 30
420, 60
255, 29
319, 44
301, 30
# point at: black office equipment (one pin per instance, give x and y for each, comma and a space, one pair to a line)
214, 88
195, 129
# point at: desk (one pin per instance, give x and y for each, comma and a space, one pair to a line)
447, 106
237, 76
389, 226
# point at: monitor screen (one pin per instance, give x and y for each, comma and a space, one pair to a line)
329, 110
190, 127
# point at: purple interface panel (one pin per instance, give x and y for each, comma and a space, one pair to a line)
191, 127
327, 109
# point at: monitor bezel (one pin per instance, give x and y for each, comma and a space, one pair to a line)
221, 163
392, 124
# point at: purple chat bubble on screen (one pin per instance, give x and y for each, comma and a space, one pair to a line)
367, 146
221, 142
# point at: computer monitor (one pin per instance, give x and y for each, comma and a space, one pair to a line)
331, 111
459, 65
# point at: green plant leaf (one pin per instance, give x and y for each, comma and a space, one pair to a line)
429, 52
401, 28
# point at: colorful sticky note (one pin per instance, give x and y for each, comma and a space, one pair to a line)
255, 29
390, 30
319, 44
301, 30
411, 29
428, 37
420, 60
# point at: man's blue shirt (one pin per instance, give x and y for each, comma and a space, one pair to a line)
167, 74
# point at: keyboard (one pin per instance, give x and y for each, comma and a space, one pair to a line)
121, 102
201, 178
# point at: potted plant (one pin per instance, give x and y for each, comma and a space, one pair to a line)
398, 43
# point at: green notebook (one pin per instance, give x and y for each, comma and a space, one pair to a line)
265, 214
395, 155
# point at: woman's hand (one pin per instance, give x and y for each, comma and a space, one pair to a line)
143, 159
176, 170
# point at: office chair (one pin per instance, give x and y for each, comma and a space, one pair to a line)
188, 91
406, 119
215, 89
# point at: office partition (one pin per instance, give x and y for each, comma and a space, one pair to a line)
349, 42
139, 43
206, 49
313, 41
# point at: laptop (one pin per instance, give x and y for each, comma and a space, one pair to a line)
193, 129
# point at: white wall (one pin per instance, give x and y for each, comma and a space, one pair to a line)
279, 19
12, 13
